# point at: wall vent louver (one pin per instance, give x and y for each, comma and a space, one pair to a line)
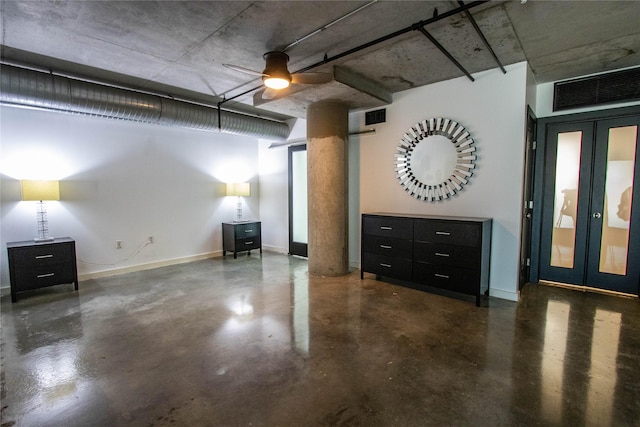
373, 117
619, 86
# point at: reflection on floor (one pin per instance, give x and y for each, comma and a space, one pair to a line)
256, 341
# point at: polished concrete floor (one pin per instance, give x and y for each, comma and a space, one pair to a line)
257, 342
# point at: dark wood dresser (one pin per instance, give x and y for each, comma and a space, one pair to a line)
34, 265
241, 236
422, 251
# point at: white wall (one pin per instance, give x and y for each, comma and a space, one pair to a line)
274, 199
122, 181
493, 110
274, 190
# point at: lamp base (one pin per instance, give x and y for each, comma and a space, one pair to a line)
43, 239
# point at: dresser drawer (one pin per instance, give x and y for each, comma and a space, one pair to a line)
399, 228
42, 255
448, 232
447, 277
242, 231
440, 253
45, 275
388, 246
398, 268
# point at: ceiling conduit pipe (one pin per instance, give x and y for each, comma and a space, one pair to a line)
28, 88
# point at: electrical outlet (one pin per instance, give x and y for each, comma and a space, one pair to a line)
118, 244
150, 239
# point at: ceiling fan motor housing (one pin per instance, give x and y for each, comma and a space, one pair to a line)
276, 65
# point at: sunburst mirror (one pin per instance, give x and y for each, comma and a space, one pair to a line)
435, 159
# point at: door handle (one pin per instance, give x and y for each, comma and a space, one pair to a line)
597, 215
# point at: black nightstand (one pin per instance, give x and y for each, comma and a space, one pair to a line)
241, 236
34, 265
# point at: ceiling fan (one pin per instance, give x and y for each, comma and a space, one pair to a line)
276, 76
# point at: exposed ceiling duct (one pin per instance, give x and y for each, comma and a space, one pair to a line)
29, 88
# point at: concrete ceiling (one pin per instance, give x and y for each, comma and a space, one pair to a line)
178, 47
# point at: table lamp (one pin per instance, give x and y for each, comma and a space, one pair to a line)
40, 191
239, 189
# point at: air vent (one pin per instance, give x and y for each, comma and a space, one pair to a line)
373, 117
620, 86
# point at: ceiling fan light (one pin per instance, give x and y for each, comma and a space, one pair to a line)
276, 74
276, 82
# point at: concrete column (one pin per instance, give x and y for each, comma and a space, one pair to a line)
327, 138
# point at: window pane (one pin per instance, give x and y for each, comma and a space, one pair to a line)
299, 190
563, 239
614, 246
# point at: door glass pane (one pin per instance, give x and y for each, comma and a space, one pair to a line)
563, 239
299, 195
614, 245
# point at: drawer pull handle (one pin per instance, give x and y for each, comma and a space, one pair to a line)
248, 243
385, 246
441, 254
248, 231
385, 265
443, 233
386, 228
42, 276
44, 256
444, 276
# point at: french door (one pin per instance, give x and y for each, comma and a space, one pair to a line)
590, 233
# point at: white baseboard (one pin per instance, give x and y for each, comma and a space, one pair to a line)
275, 249
148, 266
511, 296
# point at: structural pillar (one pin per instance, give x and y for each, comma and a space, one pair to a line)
327, 139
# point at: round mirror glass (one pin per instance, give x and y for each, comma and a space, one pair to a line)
433, 160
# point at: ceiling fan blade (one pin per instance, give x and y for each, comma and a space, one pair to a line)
266, 94
269, 93
243, 70
311, 78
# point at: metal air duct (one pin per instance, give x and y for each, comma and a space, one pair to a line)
28, 88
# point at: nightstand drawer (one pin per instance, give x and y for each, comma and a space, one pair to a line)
248, 243
46, 275
43, 255
242, 231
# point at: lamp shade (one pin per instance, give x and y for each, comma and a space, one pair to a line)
40, 190
238, 189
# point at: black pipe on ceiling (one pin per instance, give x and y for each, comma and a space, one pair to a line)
482, 37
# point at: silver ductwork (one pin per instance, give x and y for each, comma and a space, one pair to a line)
29, 88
